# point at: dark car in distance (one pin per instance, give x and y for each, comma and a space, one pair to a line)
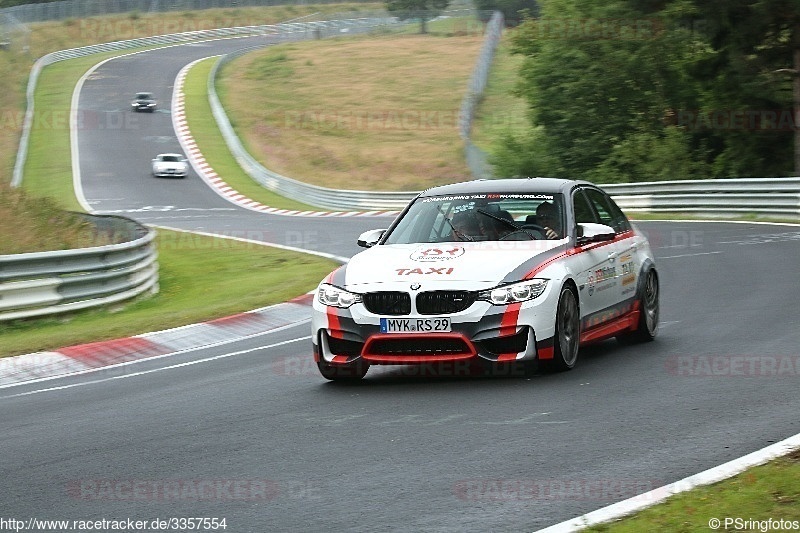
144, 101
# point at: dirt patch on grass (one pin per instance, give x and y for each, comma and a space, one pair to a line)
371, 114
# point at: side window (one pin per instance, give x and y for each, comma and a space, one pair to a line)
621, 222
583, 211
610, 214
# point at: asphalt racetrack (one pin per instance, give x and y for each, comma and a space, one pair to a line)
250, 432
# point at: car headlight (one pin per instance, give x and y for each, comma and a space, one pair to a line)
336, 297
515, 292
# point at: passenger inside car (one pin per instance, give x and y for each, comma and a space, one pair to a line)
466, 226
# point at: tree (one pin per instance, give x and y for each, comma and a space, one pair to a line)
641, 90
513, 11
754, 71
600, 78
424, 10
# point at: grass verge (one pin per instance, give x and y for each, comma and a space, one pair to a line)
368, 112
770, 491
212, 145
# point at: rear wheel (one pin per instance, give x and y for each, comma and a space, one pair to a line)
343, 372
568, 332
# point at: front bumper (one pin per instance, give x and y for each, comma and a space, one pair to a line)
493, 334
170, 173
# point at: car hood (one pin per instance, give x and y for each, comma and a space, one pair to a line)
472, 264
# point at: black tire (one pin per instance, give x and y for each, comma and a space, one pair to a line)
649, 310
568, 333
348, 372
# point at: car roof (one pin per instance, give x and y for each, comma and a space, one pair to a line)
174, 155
507, 185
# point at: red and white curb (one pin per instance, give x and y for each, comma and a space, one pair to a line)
207, 173
41, 366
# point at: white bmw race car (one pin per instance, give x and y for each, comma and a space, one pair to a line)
169, 166
520, 271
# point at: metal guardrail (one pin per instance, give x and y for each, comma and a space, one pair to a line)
46, 283
777, 197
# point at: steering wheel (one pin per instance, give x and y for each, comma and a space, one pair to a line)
524, 231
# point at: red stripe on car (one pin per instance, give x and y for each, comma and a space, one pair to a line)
577, 250
334, 326
508, 324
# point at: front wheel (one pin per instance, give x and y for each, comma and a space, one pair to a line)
343, 372
568, 332
647, 328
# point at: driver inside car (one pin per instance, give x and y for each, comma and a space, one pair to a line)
547, 217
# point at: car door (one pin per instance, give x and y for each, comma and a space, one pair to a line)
600, 274
619, 253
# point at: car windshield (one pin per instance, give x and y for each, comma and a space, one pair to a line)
170, 158
143, 96
480, 217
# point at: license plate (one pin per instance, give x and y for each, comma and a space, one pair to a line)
415, 325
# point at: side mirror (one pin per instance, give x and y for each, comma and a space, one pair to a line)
370, 238
589, 232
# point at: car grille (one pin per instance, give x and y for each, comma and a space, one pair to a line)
444, 302
388, 303
422, 346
